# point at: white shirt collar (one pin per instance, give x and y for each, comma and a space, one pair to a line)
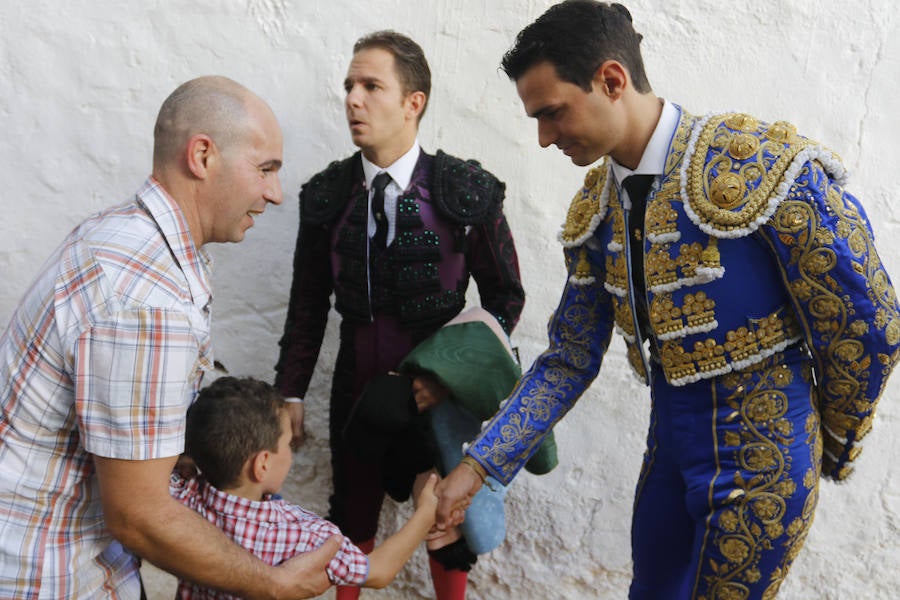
653, 161
400, 170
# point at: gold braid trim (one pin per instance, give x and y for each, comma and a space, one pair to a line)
738, 169
587, 209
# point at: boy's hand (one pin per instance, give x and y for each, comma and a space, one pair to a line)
426, 499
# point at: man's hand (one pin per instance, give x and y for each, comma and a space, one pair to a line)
304, 576
455, 493
295, 409
428, 392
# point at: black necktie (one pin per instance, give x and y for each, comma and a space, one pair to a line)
378, 184
637, 187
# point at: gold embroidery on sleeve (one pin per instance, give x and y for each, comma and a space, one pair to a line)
848, 404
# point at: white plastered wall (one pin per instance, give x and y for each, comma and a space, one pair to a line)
80, 84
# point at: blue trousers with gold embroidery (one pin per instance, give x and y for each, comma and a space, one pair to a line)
729, 483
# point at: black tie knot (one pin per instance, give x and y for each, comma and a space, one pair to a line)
637, 187
380, 182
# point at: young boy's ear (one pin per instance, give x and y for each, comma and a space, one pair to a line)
259, 466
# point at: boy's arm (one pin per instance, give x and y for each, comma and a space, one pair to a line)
386, 560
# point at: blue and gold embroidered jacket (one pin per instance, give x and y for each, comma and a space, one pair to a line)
751, 245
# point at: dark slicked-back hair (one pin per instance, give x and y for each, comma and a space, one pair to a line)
409, 61
576, 37
232, 420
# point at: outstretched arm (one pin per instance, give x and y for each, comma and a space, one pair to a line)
386, 560
579, 334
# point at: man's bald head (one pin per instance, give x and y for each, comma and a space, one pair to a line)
212, 105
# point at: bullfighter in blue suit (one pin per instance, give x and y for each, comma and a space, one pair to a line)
745, 281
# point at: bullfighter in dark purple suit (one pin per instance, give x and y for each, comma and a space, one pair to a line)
395, 234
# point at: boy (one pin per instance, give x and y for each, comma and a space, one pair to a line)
238, 433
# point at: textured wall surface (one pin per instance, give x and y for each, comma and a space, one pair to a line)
80, 84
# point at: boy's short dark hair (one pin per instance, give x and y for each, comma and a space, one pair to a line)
409, 61
231, 420
576, 37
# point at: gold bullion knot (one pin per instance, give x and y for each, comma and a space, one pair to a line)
727, 190
743, 146
742, 122
781, 131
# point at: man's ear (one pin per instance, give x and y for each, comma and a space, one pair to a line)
611, 78
415, 104
259, 465
200, 152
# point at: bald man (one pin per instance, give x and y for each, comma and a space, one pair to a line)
103, 356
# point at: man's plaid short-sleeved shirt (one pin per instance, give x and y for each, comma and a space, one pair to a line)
102, 356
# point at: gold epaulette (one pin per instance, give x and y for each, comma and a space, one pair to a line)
737, 170
587, 209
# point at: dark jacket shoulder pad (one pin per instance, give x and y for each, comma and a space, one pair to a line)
327, 192
464, 192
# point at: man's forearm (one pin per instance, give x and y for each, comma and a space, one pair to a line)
188, 546
178, 540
